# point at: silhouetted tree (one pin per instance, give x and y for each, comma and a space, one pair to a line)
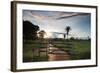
41, 34
64, 36
68, 28
89, 38
72, 38
29, 30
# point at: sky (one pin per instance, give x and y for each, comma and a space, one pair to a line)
56, 21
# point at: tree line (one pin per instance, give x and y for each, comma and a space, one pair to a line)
31, 31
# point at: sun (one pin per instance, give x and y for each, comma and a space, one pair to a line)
48, 34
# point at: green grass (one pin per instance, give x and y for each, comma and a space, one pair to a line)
28, 53
81, 49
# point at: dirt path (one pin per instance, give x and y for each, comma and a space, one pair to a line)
56, 54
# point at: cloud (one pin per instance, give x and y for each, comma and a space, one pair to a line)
38, 16
54, 21
69, 15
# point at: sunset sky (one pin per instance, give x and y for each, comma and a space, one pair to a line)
56, 21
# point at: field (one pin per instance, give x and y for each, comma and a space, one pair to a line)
77, 49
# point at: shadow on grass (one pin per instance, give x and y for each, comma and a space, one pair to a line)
85, 55
36, 59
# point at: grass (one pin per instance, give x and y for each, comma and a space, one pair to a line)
28, 47
81, 49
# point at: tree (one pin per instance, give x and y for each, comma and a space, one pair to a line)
64, 36
72, 38
29, 30
89, 38
41, 34
68, 28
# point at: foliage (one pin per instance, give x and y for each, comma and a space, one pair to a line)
41, 34
80, 49
68, 28
29, 30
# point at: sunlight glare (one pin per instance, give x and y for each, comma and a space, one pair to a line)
48, 34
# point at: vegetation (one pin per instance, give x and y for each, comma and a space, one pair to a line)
68, 28
30, 30
29, 46
41, 34
34, 42
78, 49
